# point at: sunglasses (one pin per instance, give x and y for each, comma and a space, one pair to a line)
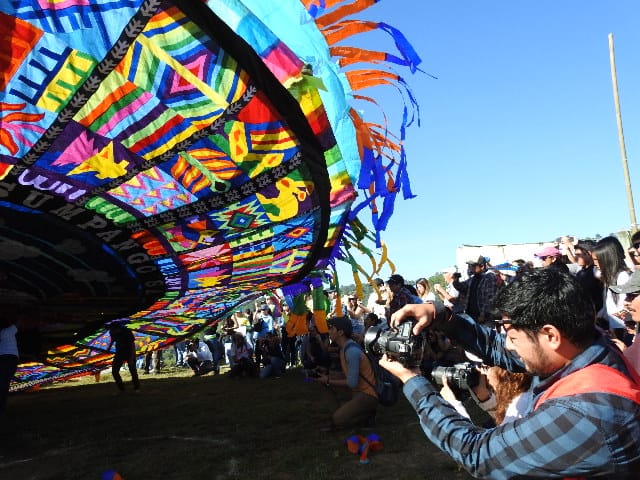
636, 246
630, 297
543, 258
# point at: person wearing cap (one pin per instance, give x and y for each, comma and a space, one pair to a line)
449, 295
551, 258
631, 292
585, 420
359, 378
479, 289
634, 250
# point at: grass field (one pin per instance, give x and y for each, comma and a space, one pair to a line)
209, 427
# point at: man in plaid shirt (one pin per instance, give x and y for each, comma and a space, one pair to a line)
581, 429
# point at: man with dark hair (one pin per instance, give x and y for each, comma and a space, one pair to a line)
479, 289
399, 293
586, 275
359, 377
585, 420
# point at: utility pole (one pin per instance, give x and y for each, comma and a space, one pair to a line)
623, 150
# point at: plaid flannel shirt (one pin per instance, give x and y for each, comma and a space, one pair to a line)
584, 435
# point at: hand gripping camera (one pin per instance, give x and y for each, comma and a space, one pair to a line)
462, 376
400, 344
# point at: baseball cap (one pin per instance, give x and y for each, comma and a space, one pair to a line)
548, 252
451, 269
632, 285
397, 279
478, 261
341, 323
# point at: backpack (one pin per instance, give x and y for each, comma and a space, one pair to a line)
387, 386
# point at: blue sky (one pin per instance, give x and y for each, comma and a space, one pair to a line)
518, 141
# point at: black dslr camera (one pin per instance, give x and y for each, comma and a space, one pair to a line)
400, 344
462, 376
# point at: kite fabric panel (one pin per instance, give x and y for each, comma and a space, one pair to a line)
162, 162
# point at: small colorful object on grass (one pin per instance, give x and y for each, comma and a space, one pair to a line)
361, 445
111, 475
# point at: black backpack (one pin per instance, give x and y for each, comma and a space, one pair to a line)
387, 385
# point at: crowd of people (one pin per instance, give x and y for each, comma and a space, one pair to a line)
553, 342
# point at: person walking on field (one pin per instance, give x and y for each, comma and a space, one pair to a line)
125, 352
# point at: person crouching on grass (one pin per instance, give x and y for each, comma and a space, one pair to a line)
359, 378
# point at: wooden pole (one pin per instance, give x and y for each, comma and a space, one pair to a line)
623, 150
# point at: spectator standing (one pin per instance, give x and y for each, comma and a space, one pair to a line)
551, 258
634, 250
609, 257
125, 353
480, 289
449, 295
586, 275
424, 290
212, 339
399, 295
8, 358
377, 304
631, 292
356, 311
180, 349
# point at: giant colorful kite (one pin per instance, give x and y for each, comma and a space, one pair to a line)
163, 161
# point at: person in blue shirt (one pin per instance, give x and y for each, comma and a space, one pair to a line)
585, 418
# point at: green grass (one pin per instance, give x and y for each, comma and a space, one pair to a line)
208, 427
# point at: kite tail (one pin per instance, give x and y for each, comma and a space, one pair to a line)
383, 171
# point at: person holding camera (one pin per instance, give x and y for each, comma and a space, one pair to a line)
199, 357
585, 419
359, 378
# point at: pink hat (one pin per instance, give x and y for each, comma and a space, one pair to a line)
548, 252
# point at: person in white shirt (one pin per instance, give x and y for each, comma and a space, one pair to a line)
199, 357
377, 304
448, 295
424, 290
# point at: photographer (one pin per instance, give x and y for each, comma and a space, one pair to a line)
585, 420
358, 371
199, 357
